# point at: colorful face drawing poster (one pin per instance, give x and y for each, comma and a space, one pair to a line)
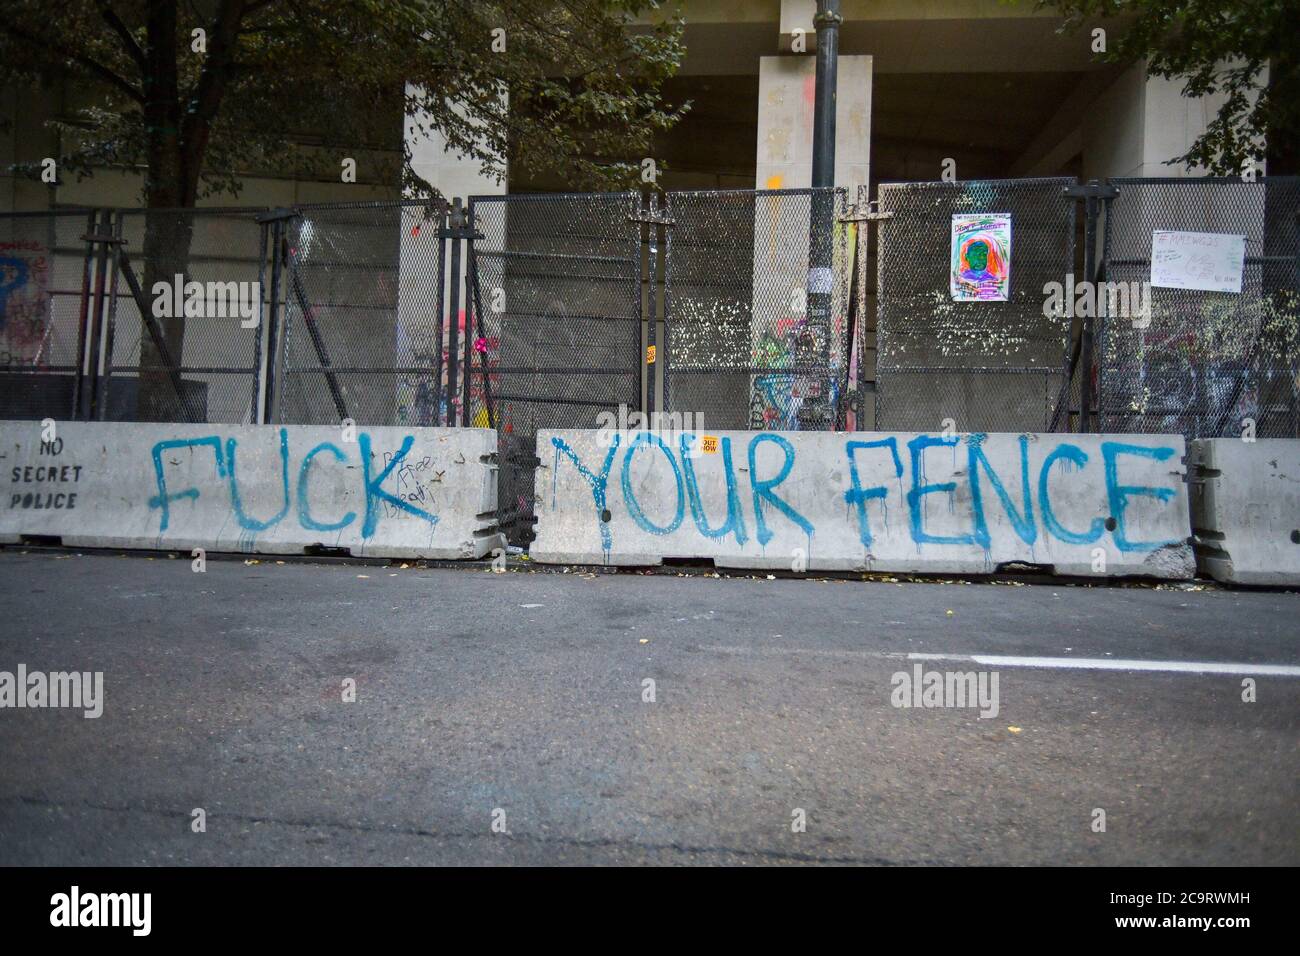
980, 270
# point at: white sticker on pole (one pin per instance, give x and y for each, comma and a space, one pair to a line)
1206, 261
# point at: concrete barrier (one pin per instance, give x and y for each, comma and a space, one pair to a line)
1245, 501
1083, 504
262, 489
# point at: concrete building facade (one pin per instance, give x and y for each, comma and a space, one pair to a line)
983, 88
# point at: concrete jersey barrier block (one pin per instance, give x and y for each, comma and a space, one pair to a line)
1083, 504
262, 489
1245, 501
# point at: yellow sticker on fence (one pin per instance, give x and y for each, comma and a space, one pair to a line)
650, 355
709, 443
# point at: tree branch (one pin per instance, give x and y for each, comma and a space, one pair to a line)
92, 66
114, 21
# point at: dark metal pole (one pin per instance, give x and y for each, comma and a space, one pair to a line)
256, 416
467, 376
440, 306
477, 295
83, 319
104, 235
652, 316
814, 412
453, 311
110, 329
273, 321
827, 21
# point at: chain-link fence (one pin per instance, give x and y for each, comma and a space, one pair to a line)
181, 328
318, 314
556, 285
360, 335
755, 307
961, 333
44, 292
1197, 362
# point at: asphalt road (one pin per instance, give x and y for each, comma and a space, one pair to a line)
522, 692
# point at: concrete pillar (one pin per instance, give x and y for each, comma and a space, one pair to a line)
781, 278
785, 115
1140, 123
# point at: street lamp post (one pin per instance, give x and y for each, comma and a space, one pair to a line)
814, 413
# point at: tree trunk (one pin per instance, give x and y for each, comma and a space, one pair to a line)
170, 191
168, 234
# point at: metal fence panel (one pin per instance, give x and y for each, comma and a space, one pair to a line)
987, 365
1205, 364
744, 347
557, 282
204, 263
43, 295
359, 334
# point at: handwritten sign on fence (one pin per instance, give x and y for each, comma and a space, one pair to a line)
1206, 261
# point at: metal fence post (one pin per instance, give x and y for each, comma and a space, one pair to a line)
1093, 193
862, 213
654, 225
440, 304
474, 311
457, 220
104, 383
275, 221
258, 407
101, 236
652, 314
83, 319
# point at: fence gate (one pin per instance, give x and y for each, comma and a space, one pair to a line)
1205, 364
988, 365
556, 284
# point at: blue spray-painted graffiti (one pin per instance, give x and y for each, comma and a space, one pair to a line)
1020, 497
226, 464
13, 275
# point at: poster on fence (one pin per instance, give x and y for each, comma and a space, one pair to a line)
24, 304
1204, 261
980, 270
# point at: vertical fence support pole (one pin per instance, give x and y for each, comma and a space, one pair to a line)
467, 377
1093, 193
473, 318
83, 319
664, 356
477, 294
257, 412
273, 322
1086, 330
654, 225
864, 212
453, 311
652, 311
110, 324
102, 234
440, 305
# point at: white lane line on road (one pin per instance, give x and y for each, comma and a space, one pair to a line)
1113, 664
1043, 663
